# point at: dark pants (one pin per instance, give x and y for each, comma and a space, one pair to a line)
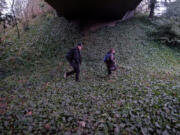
111, 68
76, 69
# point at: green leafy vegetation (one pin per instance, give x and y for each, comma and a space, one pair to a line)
142, 97
168, 31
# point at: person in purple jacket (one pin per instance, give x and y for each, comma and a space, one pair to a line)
109, 59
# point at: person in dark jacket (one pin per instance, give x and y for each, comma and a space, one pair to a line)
75, 60
110, 61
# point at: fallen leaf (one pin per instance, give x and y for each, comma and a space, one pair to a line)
82, 124
47, 126
29, 113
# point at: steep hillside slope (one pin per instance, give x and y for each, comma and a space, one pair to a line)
142, 97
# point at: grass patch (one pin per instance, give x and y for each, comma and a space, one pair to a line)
141, 97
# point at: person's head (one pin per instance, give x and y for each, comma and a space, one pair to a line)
112, 50
79, 46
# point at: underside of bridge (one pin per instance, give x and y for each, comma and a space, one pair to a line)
101, 10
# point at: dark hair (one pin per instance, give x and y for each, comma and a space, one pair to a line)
79, 44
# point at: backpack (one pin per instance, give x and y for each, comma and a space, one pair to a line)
107, 57
69, 55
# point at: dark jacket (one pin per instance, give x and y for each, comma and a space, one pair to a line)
75, 56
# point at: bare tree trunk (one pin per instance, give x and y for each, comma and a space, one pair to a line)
12, 8
152, 8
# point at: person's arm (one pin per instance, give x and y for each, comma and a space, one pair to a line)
76, 57
112, 59
80, 59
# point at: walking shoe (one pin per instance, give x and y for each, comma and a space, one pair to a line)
77, 80
65, 75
